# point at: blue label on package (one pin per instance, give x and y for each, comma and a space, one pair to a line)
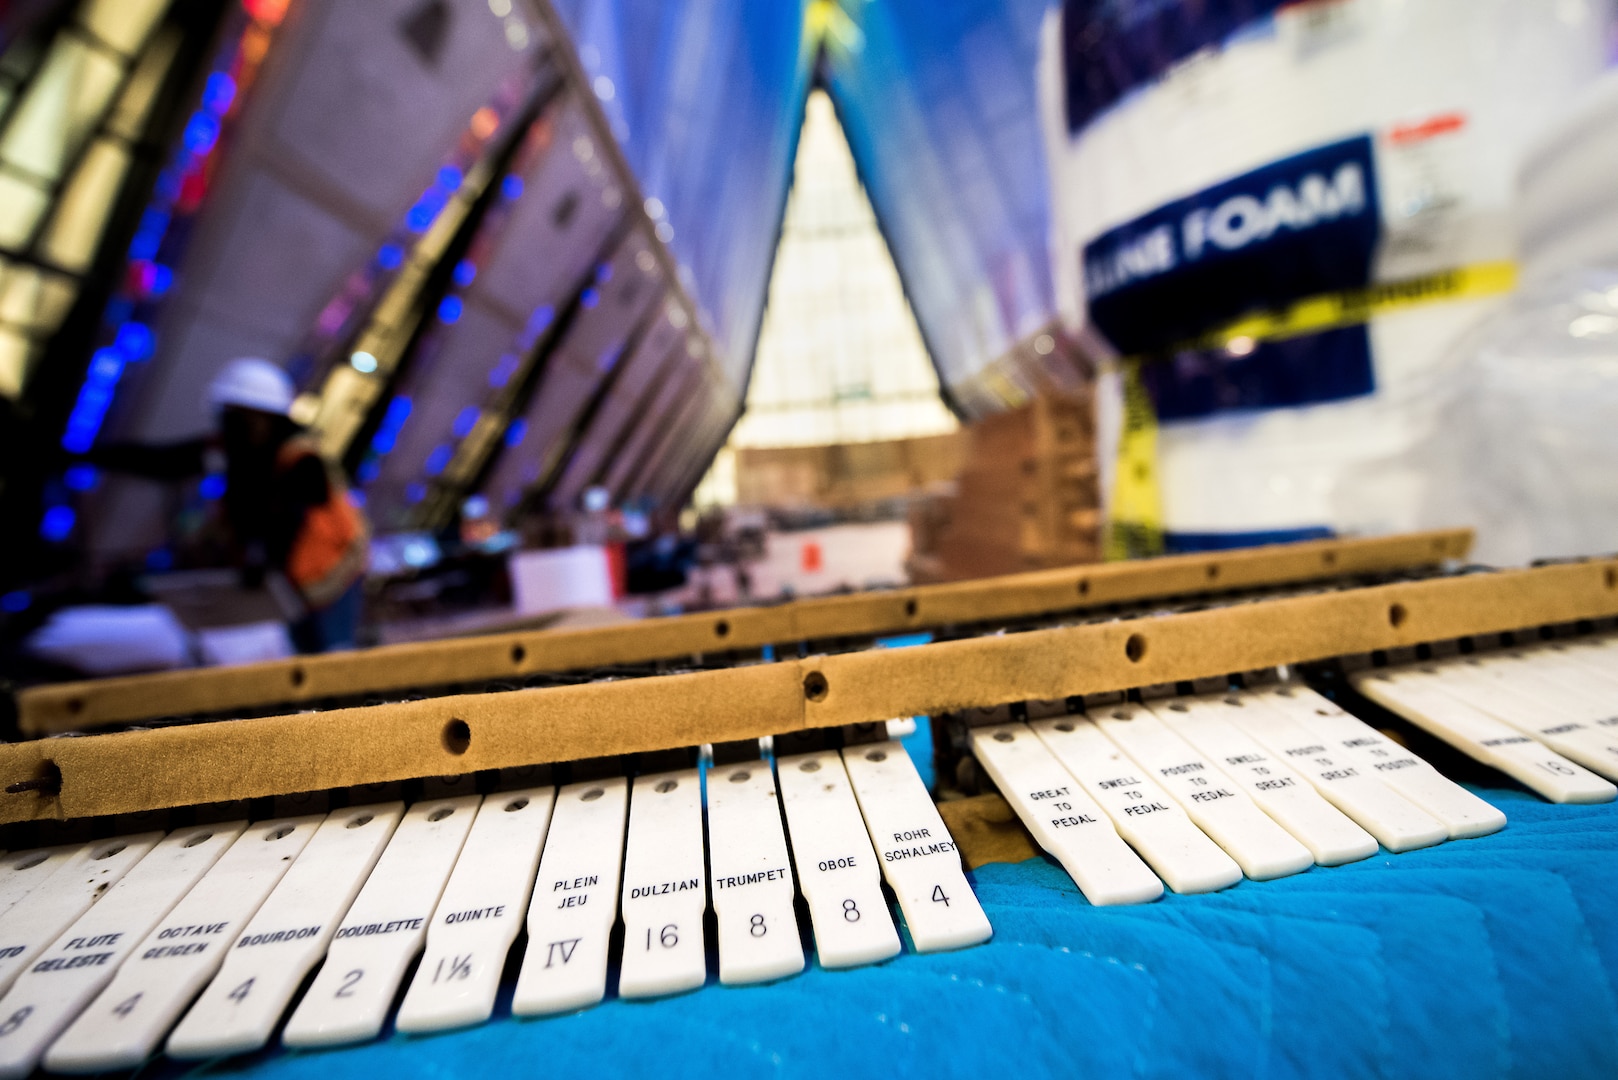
1305, 225
1110, 47
1328, 366
1185, 543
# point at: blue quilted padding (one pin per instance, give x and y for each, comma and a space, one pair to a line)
1488, 958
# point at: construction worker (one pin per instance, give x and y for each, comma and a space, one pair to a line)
287, 509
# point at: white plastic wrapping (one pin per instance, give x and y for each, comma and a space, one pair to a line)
1526, 444
1526, 447
1568, 188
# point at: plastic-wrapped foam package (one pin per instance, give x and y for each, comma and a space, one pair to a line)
1205, 167
106, 640
1526, 447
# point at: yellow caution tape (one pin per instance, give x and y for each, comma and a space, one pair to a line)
1136, 522
1351, 307
1135, 529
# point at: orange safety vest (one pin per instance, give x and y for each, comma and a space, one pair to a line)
332, 546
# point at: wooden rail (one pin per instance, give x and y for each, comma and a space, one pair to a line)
134, 771
292, 683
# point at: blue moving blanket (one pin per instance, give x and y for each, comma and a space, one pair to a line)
1488, 958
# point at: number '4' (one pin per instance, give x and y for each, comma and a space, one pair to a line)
939, 897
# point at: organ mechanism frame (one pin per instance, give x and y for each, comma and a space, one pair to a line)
138, 770
308, 680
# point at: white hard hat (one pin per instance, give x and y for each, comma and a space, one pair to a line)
252, 383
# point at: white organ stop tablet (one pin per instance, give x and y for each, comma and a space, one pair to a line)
1493, 742
1396, 822
837, 867
125, 1025
665, 887
1066, 822
67, 975
1563, 673
1597, 654
575, 900
750, 875
1461, 812
23, 871
287, 937
36, 920
1548, 701
919, 857
385, 928
1144, 814
1329, 834
1216, 804
480, 914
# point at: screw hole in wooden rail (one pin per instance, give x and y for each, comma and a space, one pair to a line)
1328, 559
1135, 648
910, 605
721, 628
297, 676
1612, 578
1397, 615
518, 654
457, 736
815, 686
1213, 571
1084, 586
